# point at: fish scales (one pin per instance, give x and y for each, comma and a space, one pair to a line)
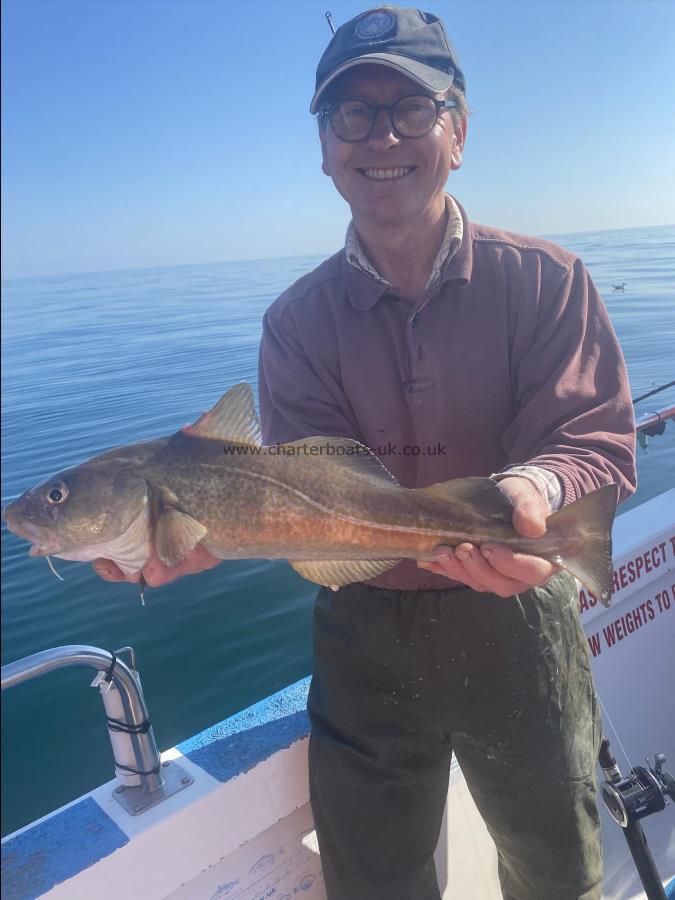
264, 502
325, 504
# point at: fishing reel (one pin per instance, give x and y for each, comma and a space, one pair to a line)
654, 430
645, 791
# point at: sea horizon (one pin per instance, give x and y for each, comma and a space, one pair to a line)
549, 236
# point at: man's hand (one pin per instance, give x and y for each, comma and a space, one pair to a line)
155, 572
494, 568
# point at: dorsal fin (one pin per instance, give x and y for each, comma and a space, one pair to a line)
475, 493
340, 450
233, 418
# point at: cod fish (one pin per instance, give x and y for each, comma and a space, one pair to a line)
327, 505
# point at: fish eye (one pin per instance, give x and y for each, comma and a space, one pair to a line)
57, 493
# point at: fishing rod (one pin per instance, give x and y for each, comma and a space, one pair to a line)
653, 424
657, 390
646, 790
631, 798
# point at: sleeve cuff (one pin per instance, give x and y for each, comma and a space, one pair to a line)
547, 482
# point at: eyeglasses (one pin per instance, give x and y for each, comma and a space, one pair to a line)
411, 117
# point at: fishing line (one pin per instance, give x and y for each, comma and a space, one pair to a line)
616, 733
51, 566
519, 603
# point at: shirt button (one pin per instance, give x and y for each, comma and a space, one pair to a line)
415, 321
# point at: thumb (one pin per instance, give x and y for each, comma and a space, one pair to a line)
529, 519
106, 569
530, 508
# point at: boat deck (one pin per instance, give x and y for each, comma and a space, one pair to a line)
243, 829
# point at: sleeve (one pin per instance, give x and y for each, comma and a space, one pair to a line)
546, 482
294, 401
575, 415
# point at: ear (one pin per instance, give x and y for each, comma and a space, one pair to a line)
325, 168
458, 148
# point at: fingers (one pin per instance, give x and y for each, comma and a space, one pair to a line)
533, 570
155, 572
481, 571
108, 571
450, 563
491, 568
466, 564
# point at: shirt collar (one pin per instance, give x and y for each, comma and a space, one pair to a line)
365, 285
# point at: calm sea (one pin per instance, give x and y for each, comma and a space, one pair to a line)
93, 361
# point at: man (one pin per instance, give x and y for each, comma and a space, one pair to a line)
453, 350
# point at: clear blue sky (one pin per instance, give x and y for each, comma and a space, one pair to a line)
162, 132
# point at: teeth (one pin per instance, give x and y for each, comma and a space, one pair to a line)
382, 174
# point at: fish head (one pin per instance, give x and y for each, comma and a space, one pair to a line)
79, 512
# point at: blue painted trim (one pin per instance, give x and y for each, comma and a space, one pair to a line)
237, 753
66, 843
252, 735
670, 889
56, 849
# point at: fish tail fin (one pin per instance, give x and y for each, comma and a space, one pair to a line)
593, 564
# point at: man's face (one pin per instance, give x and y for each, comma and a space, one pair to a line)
426, 162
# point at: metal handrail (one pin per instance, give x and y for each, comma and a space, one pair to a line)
654, 418
135, 711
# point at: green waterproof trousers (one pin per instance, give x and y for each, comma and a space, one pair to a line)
401, 680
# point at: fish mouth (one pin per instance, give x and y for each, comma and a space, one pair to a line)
37, 550
42, 540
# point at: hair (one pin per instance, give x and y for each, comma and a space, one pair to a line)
459, 113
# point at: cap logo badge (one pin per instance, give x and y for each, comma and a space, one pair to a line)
375, 26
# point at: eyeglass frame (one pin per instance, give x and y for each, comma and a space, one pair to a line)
440, 105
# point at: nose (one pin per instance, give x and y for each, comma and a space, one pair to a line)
383, 136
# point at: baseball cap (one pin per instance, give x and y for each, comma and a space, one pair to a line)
408, 40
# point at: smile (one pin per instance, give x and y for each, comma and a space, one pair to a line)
387, 174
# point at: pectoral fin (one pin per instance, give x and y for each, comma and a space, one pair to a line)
332, 573
176, 534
